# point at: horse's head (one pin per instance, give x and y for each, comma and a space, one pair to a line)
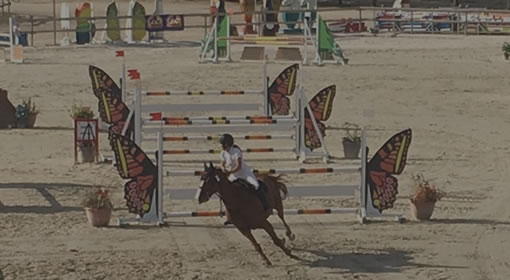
209, 183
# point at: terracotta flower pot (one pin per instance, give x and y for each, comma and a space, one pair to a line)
422, 210
351, 149
31, 120
87, 154
99, 217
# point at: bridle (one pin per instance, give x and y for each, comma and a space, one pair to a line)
208, 178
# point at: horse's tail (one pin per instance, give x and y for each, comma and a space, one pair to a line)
279, 181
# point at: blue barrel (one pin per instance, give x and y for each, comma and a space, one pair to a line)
290, 17
23, 39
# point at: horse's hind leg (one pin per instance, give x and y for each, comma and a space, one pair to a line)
248, 235
288, 232
277, 241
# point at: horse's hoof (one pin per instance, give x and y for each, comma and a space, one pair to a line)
291, 236
268, 262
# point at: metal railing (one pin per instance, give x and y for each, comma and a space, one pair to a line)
459, 21
5, 4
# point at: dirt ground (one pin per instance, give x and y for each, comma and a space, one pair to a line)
450, 90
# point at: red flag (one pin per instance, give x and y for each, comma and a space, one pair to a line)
156, 116
119, 53
134, 74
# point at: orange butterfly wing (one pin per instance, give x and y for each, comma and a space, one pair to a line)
101, 80
312, 140
321, 106
322, 103
132, 163
114, 112
284, 85
389, 160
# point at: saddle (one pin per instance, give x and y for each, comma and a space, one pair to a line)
249, 186
261, 193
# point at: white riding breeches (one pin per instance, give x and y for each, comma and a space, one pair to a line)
250, 179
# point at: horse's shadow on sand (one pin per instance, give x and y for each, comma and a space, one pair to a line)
369, 261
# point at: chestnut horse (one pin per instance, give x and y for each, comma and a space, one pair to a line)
246, 210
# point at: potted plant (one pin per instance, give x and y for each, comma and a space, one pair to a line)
351, 141
506, 50
26, 114
87, 149
424, 198
98, 207
81, 112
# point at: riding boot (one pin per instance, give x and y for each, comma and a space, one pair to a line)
261, 194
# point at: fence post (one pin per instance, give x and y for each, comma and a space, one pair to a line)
360, 19
478, 25
205, 26
412, 22
263, 19
433, 22
31, 31
466, 25
363, 186
54, 23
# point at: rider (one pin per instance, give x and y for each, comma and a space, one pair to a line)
232, 163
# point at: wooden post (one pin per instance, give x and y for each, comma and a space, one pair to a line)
54, 22
433, 22
478, 25
263, 20
393, 22
31, 31
412, 22
360, 20
205, 26
466, 24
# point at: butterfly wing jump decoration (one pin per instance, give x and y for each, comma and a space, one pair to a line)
132, 163
389, 160
101, 80
321, 106
114, 112
112, 109
282, 87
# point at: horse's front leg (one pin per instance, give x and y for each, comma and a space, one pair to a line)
248, 235
277, 241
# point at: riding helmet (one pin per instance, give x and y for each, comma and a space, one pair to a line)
227, 140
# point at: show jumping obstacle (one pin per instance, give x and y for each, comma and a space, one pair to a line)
363, 210
242, 92
325, 49
219, 125
205, 124
392, 155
